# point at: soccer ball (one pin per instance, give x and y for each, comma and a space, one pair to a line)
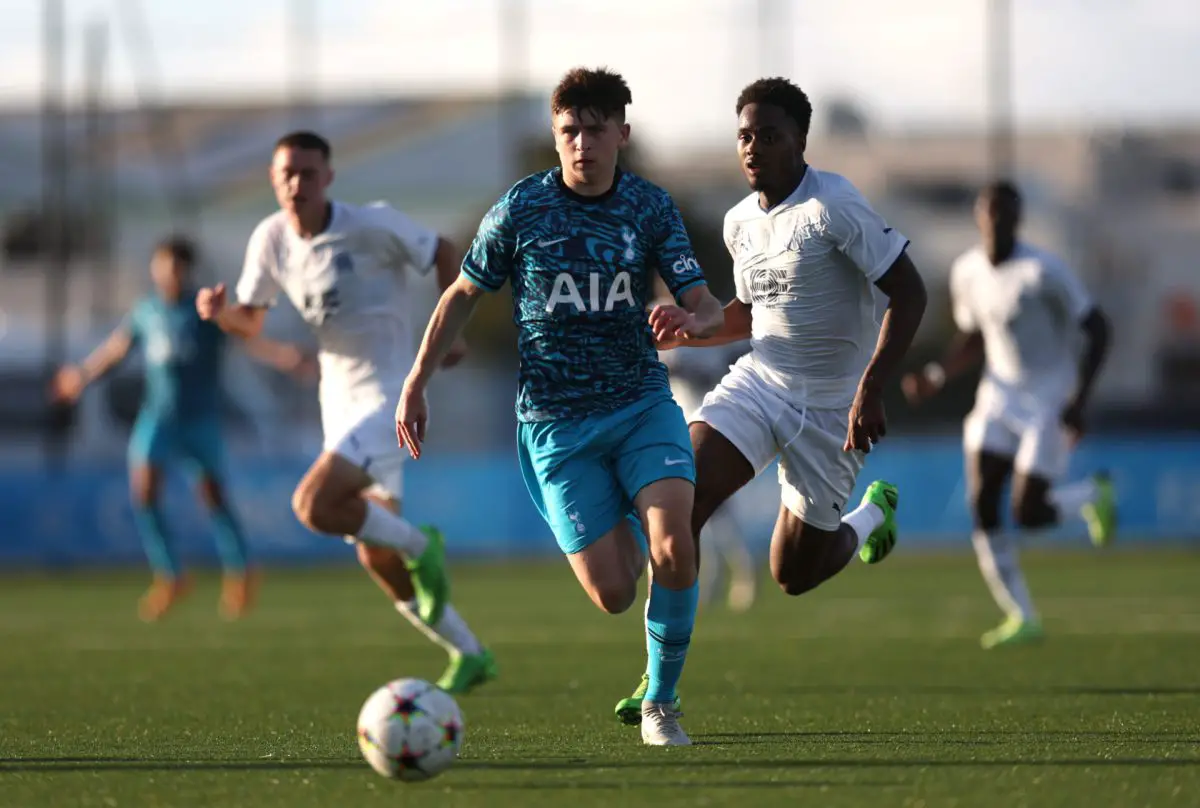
410, 730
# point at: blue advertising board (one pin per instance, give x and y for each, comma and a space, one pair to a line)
82, 516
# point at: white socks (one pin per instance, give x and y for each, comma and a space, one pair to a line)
451, 632
382, 528
864, 520
1070, 498
726, 537
997, 556
721, 540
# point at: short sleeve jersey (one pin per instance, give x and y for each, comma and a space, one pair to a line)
580, 269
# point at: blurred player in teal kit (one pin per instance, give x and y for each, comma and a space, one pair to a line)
603, 448
179, 420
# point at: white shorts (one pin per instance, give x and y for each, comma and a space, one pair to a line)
370, 443
816, 476
1037, 445
1019, 424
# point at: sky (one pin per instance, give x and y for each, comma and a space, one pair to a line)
918, 63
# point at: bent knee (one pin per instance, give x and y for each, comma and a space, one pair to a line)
675, 556
792, 582
614, 597
311, 506
1034, 514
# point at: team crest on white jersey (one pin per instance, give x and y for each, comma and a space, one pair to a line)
741, 242
796, 239
769, 285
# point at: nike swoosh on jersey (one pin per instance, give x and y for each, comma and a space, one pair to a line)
546, 242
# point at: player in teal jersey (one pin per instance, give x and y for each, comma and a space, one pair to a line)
179, 419
603, 448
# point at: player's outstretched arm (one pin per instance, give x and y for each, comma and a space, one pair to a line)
241, 320
283, 356
1097, 332
906, 306
708, 317
446, 260
70, 382
736, 323
963, 354
449, 318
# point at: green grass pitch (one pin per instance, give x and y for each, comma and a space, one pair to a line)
871, 691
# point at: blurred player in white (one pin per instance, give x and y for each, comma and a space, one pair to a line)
1021, 311
694, 372
345, 268
808, 252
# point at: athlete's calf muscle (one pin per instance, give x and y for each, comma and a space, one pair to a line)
608, 569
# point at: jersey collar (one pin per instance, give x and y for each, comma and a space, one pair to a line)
588, 200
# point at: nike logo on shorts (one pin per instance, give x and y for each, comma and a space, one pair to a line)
675, 461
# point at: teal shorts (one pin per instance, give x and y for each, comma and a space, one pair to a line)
583, 474
158, 441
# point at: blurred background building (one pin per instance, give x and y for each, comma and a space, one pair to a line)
123, 120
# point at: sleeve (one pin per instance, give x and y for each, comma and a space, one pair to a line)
740, 290
407, 243
672, 251
489, 262
258, 285
1067, 290
960, 301
862, 235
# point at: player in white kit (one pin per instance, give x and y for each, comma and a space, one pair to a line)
1023, 312
345, 268
808, 252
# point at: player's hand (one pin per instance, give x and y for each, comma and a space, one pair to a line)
67, 385
1072, 419
210, 302
868, 422
918, 388
672, 325
456, 354
412, 416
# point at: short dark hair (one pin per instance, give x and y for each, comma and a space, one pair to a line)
599, 89
179, 247
781, 93
1002, 188
304, 140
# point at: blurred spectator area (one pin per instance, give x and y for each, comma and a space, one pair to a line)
1122, 207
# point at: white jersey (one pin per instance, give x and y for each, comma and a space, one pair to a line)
806, 269
1028, 310
349, 283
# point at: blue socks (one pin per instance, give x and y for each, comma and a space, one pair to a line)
155, 541
231, 544
670, 615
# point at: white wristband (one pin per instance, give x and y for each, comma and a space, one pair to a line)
936, 374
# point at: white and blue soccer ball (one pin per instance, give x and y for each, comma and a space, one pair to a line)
410, 730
